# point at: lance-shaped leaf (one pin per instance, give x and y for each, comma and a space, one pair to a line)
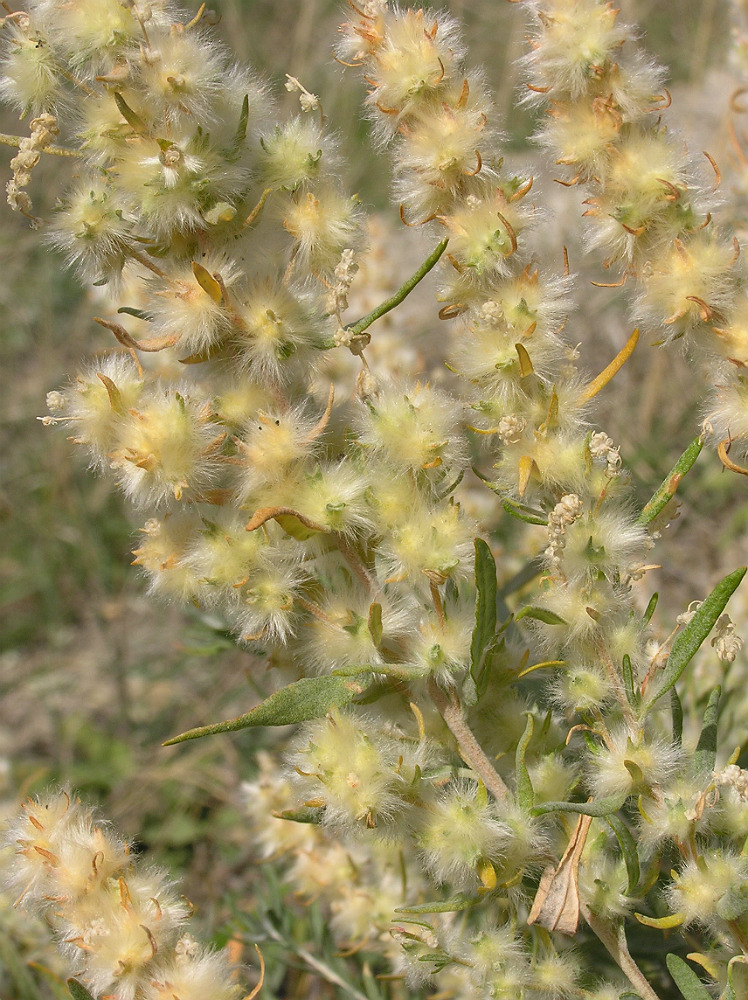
306, 814
705, 755
676, 711
628, 681
686, 980
525, 793
540, 614
687, 642
666, 491
453, 905
207, 282
628, 849
309, 698
485, 606
77, 990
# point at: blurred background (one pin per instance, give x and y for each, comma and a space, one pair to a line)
94, 672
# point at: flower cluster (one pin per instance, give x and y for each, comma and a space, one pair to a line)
292, 480
123, 927
649, 205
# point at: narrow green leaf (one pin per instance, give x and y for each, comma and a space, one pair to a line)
676, 710
241, 129
650, 610
628, 680
129, 115
523, 513
78, 991
666, 492
598, 807
525, 793
687, 642
137, 313
306, 814
452, 905
705, 756
686, 980
309, 698
540, 614
485, 606
628, 849
375, 623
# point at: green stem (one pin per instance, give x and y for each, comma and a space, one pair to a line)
15, 140
405, 289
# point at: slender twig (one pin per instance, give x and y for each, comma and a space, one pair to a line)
405, 289
451, 711
15, 140
615, 944
313, 962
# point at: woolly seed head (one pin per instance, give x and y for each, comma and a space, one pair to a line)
483, 235
165, 447
442, 648
711, 887
623, 766
557, 974
36, 836
501, 961
438, 154
419, 54
274, 325
581, 688
192, 973
434, 543
118, 932
323, 224
574, 44
94, 33
93, 229
161, 552
224, 554
298, 153
607, 541
180, 73
337, 497
727, 415
459, 832
30, 74
673, 814
582, 134
604, 880
353, 770
184, 309
97, 402
266, 601
272, 445
342, 635
688, 283
176, 182
414, 428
